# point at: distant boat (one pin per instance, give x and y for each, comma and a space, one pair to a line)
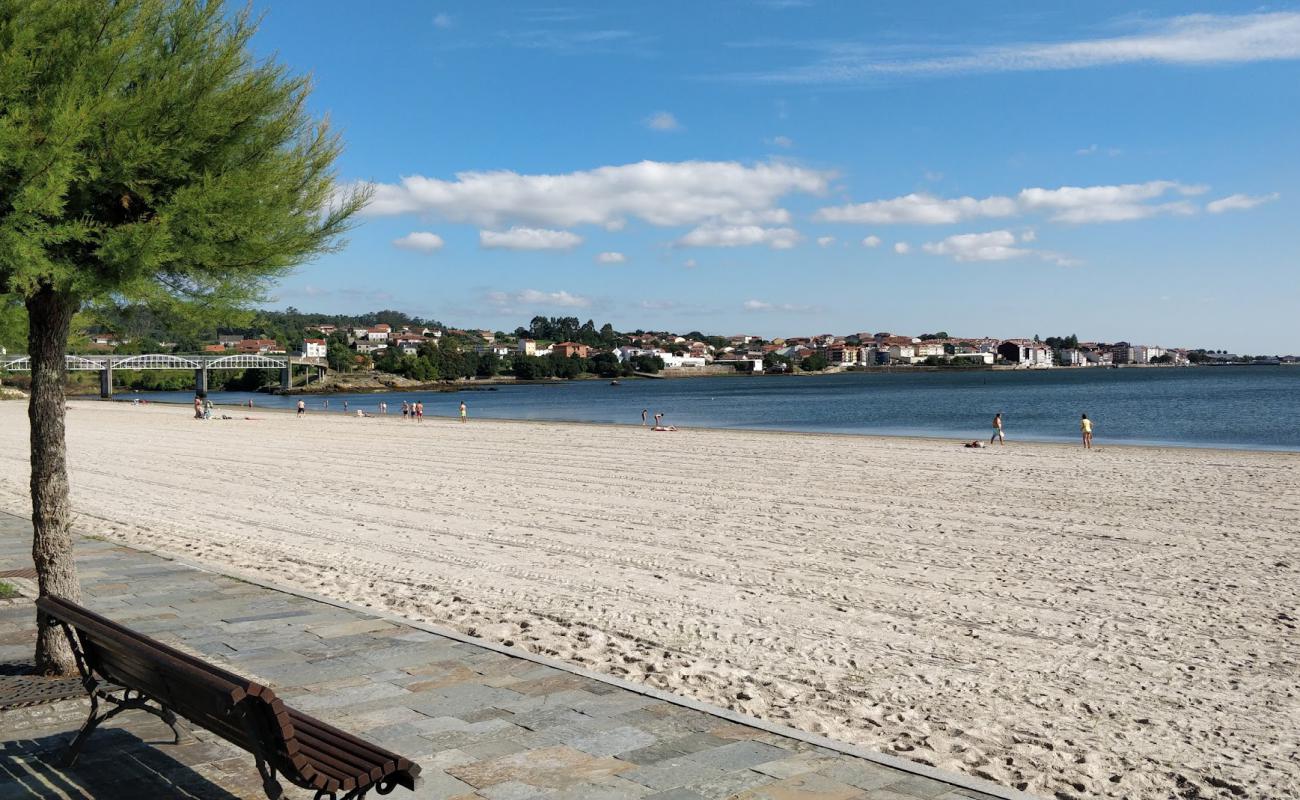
615, 383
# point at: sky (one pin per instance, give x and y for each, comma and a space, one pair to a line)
795, 167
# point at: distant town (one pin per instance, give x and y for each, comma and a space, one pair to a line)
564, 347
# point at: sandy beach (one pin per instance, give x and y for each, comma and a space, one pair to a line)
1118, 623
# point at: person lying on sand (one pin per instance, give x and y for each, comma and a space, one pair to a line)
975, 443
662, 428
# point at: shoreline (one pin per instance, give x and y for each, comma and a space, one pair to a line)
882, 437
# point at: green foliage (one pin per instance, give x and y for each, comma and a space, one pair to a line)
776, 363
925, 337
147, 155
650, 364
13, 325
814, 363
8, 591
1061, 342
568, 329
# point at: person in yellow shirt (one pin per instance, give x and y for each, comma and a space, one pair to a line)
1085, 425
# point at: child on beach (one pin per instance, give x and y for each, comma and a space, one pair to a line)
1085, 425
463, 411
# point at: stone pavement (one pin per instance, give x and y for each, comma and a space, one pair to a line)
481, 722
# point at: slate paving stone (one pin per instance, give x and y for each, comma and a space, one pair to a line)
481, 724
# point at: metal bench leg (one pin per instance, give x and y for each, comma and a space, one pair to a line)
88, 727
269, 784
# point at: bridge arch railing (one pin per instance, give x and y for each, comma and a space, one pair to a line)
156, 361
247, 361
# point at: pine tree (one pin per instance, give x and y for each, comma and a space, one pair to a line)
145, 156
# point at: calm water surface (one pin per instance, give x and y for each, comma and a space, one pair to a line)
1247, 407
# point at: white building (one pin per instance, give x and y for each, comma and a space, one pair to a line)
314, 348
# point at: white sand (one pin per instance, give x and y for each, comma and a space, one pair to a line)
1120, 623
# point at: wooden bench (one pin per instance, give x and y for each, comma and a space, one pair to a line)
128, 670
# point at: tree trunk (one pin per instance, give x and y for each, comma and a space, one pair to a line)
49, 314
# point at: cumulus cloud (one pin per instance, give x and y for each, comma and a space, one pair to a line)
1191, 39
1239, 202
825, 241
1075, 204
991, 246
662, 121
713, 235
902, 248
610, 257
535, 298
659, 193
997, 245
919, 209
1108, 203
871, 241
518, 238
420, 241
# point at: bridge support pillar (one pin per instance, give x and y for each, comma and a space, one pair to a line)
106, 381
201, 382
286, 377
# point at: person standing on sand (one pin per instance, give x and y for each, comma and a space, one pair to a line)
463, 411
302, 407
198, 407
644, 411
419, 411
405, 408
997, 429
1085, 425
345, 406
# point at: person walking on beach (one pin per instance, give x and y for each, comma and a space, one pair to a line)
383, 407
302, 407
345, 406
1085, 425
644, 411
419, 411
405, 409
463, 411
997, 429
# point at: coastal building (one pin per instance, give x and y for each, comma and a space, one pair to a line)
230, 340
214, 348
366, 347
378, 333
978, 358
567, 349
500, 350
527, 347
1071, 357
408, 344
843, 354
1025, 353
314, 348
674, 361
924, 349
257, 346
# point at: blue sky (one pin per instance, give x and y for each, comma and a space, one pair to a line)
788, 167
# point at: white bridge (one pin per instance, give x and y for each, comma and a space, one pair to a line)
201, 364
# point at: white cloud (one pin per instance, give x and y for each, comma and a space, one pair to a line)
1107, 203
533, 297
1064, 204
782, 141
518, 238
442, 21
902, 248
760, 305
1239, 202
713, 235
420, 241
660, 193
919, 209
1029, 235
662, 121
871, 241
1191, 39
825, 241
611, 258
991, 246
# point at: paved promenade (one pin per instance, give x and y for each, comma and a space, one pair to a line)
480, 721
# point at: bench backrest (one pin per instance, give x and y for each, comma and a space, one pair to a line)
244, 713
